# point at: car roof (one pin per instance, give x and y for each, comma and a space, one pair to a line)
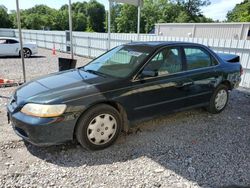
158, 44
11, 38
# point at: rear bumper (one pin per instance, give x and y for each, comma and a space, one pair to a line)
43, 131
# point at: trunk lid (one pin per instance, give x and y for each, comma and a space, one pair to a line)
231, 58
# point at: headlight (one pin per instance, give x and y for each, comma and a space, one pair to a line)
43, 110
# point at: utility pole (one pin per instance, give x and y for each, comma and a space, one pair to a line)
20, 39
70, 31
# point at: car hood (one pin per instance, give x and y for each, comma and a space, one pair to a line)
58, 87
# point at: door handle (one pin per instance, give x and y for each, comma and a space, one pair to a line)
183, 84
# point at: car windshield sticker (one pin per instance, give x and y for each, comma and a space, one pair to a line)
134, 53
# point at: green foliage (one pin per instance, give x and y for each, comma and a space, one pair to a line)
96, 16
62, 20
193, 7
150, 14
44, 17
127, 19
240, 13
91, 16
4, 17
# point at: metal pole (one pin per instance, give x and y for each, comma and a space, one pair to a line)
70, 30
139, 20
20, 39
109, 23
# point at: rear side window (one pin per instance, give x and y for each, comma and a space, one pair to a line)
197, 58
10, 41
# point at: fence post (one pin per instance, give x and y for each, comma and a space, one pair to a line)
248, 58
224, 45
213, 42
236, 48
230, 45
108, 43
36, 39
244, 44
89, 47
44, 39
62, 44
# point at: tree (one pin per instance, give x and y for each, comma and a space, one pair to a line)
172, 12
193, 7
240, 13
62, 20
79, 18
79, 22
96, 16
150, 14
13, 18
80, 7
90, 16
4, 17
127, 20
115, 12
158, 12
38, 17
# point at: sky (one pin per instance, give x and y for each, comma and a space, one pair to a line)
217, 10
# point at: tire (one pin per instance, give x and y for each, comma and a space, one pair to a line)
99, 127
219, 100
26, 53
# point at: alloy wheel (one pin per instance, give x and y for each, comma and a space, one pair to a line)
26, 53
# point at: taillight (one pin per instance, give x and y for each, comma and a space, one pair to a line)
241, 70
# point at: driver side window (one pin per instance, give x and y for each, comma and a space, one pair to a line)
167, 61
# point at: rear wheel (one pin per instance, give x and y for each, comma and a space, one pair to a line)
219, 99
26, 53
99, 127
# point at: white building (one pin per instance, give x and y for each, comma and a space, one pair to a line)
205, 30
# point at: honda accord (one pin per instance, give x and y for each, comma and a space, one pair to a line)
94, 103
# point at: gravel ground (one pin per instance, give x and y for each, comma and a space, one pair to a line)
41, 64
185, 149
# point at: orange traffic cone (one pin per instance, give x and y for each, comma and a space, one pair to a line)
8, 83
53, 50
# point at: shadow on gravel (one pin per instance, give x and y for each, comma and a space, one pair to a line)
17, 57
212, 150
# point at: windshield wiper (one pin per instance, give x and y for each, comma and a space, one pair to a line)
95, 72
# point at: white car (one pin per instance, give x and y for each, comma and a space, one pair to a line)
11, 47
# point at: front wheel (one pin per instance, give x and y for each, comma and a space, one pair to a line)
99, 127
219, 99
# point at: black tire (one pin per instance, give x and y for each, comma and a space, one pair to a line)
26, 53
212, 108
85, 121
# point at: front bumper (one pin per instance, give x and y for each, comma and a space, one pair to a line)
43, 131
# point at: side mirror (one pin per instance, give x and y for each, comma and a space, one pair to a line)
147, 74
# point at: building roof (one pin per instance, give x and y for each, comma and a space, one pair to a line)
214, 23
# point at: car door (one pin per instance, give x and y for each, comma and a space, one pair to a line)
3, 47
200, 75
156, 88
13, 47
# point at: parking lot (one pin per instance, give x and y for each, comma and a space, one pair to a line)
185, 149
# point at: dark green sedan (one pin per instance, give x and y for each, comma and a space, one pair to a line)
94, 103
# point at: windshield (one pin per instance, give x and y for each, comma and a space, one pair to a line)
119, 62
